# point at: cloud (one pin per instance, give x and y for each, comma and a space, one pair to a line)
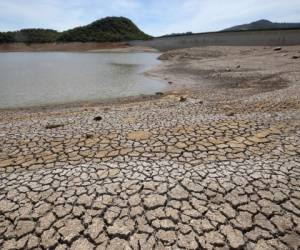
155, 17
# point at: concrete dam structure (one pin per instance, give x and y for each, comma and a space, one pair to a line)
231, 38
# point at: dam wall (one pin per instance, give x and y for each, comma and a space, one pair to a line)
231, 38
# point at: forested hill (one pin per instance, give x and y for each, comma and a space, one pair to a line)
264, 25
110, 29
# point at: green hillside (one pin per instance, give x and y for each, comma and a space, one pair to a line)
30, 36
264, 25
110, 29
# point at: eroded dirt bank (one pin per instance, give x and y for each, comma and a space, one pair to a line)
214, 164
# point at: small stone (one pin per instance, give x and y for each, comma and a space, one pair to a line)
97, 118
182, 99
53, 126
230, 114
277, 49
88, 136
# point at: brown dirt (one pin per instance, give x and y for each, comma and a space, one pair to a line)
252, 69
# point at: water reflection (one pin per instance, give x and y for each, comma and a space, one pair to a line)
28, 79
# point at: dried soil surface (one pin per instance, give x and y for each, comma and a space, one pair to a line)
213, 164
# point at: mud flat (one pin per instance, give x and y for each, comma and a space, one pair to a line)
212, 164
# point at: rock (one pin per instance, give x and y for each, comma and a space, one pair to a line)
230, 114
98, 118
277, 49
295, 57
170, 82
238, 66
159, 93
52, 126
89, 136
164, 57
182, 99
228, 69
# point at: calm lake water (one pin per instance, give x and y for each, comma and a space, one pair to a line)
30, 79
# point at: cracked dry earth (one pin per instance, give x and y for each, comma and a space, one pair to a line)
157, 174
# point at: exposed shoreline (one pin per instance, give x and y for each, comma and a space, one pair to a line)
213, 164
196, 70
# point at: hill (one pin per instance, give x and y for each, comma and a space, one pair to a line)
263, 25
109, 29
30, 36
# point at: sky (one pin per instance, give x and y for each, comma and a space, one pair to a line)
155, 17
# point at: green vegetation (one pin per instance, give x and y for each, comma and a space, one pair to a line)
29, 36
110, 29
264, 25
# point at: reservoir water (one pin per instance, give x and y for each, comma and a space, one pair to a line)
42, 78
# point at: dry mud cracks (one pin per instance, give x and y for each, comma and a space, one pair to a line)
157, 174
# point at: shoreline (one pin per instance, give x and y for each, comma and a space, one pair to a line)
93, 47
180, 70
214, 166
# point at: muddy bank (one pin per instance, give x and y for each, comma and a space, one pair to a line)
247, 70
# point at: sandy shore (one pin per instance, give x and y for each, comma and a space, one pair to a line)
214, 163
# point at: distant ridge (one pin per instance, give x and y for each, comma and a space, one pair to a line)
263, 25
109, 29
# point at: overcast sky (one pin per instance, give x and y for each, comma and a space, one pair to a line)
155, 17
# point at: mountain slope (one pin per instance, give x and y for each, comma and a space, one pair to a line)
263, 25
30, 36
110, 29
